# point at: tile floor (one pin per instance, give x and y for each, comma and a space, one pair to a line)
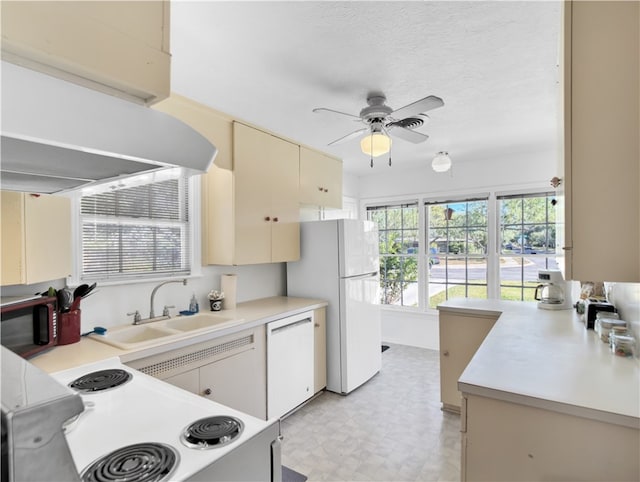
389, 429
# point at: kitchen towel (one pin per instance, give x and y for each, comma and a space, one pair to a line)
228, 284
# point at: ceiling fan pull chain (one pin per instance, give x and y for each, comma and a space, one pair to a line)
371, 162
389, 155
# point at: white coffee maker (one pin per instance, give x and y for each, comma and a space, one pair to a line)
553, 292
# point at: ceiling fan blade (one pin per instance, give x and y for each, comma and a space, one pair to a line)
407, 134
324, 109
417, 107
348, 137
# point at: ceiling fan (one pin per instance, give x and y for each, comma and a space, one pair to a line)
381, 122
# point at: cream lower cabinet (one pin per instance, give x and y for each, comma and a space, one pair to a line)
460, 337
230, 370
602, 140
320, 179
36, 238
505, 441
117, 47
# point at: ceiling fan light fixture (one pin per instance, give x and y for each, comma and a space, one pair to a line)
375, 144
442, 162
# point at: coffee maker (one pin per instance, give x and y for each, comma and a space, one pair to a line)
553, 292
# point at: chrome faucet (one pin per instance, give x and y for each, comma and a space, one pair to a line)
165, 314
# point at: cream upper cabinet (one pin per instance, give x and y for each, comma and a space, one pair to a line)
320, 179
250, 196
266, 172
36, 238
602, 140
121, 48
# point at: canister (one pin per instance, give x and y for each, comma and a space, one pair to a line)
603, 326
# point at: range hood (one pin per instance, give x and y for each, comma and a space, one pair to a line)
58, 136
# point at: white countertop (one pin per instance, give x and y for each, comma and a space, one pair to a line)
249, 315
547, 359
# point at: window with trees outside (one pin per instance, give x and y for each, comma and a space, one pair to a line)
527, 242
140, 230
398, 228
457, 240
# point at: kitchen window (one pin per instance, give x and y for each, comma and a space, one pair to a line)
457, 239
527, 242
398, 229
140, 230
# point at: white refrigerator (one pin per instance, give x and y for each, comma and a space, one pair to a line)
339, 262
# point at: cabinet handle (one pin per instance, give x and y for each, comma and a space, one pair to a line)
567, 248
320, 188
446, 353
267, 218
207, 391
317, 325
275, 220
326, 190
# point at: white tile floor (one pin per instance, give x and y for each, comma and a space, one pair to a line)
390, 429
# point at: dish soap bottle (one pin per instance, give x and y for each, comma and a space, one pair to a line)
193, 304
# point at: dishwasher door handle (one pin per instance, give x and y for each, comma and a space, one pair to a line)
291, 325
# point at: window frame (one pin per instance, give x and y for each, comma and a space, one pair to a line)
550, 259
194, 231
493, 247
466, 256
417, 256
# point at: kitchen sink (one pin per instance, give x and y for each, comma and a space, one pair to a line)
129, 337
196, 322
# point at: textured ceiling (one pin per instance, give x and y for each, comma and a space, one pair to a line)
495, 65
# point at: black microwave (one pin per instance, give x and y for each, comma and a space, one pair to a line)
29, 326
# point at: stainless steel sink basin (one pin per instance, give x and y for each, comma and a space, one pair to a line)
196, 322
129, 337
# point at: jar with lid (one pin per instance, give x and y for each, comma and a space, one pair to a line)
623, 345
603, 326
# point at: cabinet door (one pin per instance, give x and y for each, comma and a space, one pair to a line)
253, 213
319, 350
36, 238
460, 337
189, 381
233, 382
266, 172
320, 179
285, 218
13, 242
48, 237
602, 140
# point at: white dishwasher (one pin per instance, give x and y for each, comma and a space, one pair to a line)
289, 363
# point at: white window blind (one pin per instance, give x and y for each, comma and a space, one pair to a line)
137, 232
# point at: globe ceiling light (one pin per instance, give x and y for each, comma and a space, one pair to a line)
375, 144
442, 162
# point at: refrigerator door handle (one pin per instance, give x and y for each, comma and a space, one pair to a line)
373, 274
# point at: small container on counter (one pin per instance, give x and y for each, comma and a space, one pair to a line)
623, 345
604, 326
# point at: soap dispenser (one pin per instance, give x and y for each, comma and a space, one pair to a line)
193, 304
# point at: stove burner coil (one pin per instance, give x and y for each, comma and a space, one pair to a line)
143, 462
100, 380
212, 432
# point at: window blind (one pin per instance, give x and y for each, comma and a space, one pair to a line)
137, 232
